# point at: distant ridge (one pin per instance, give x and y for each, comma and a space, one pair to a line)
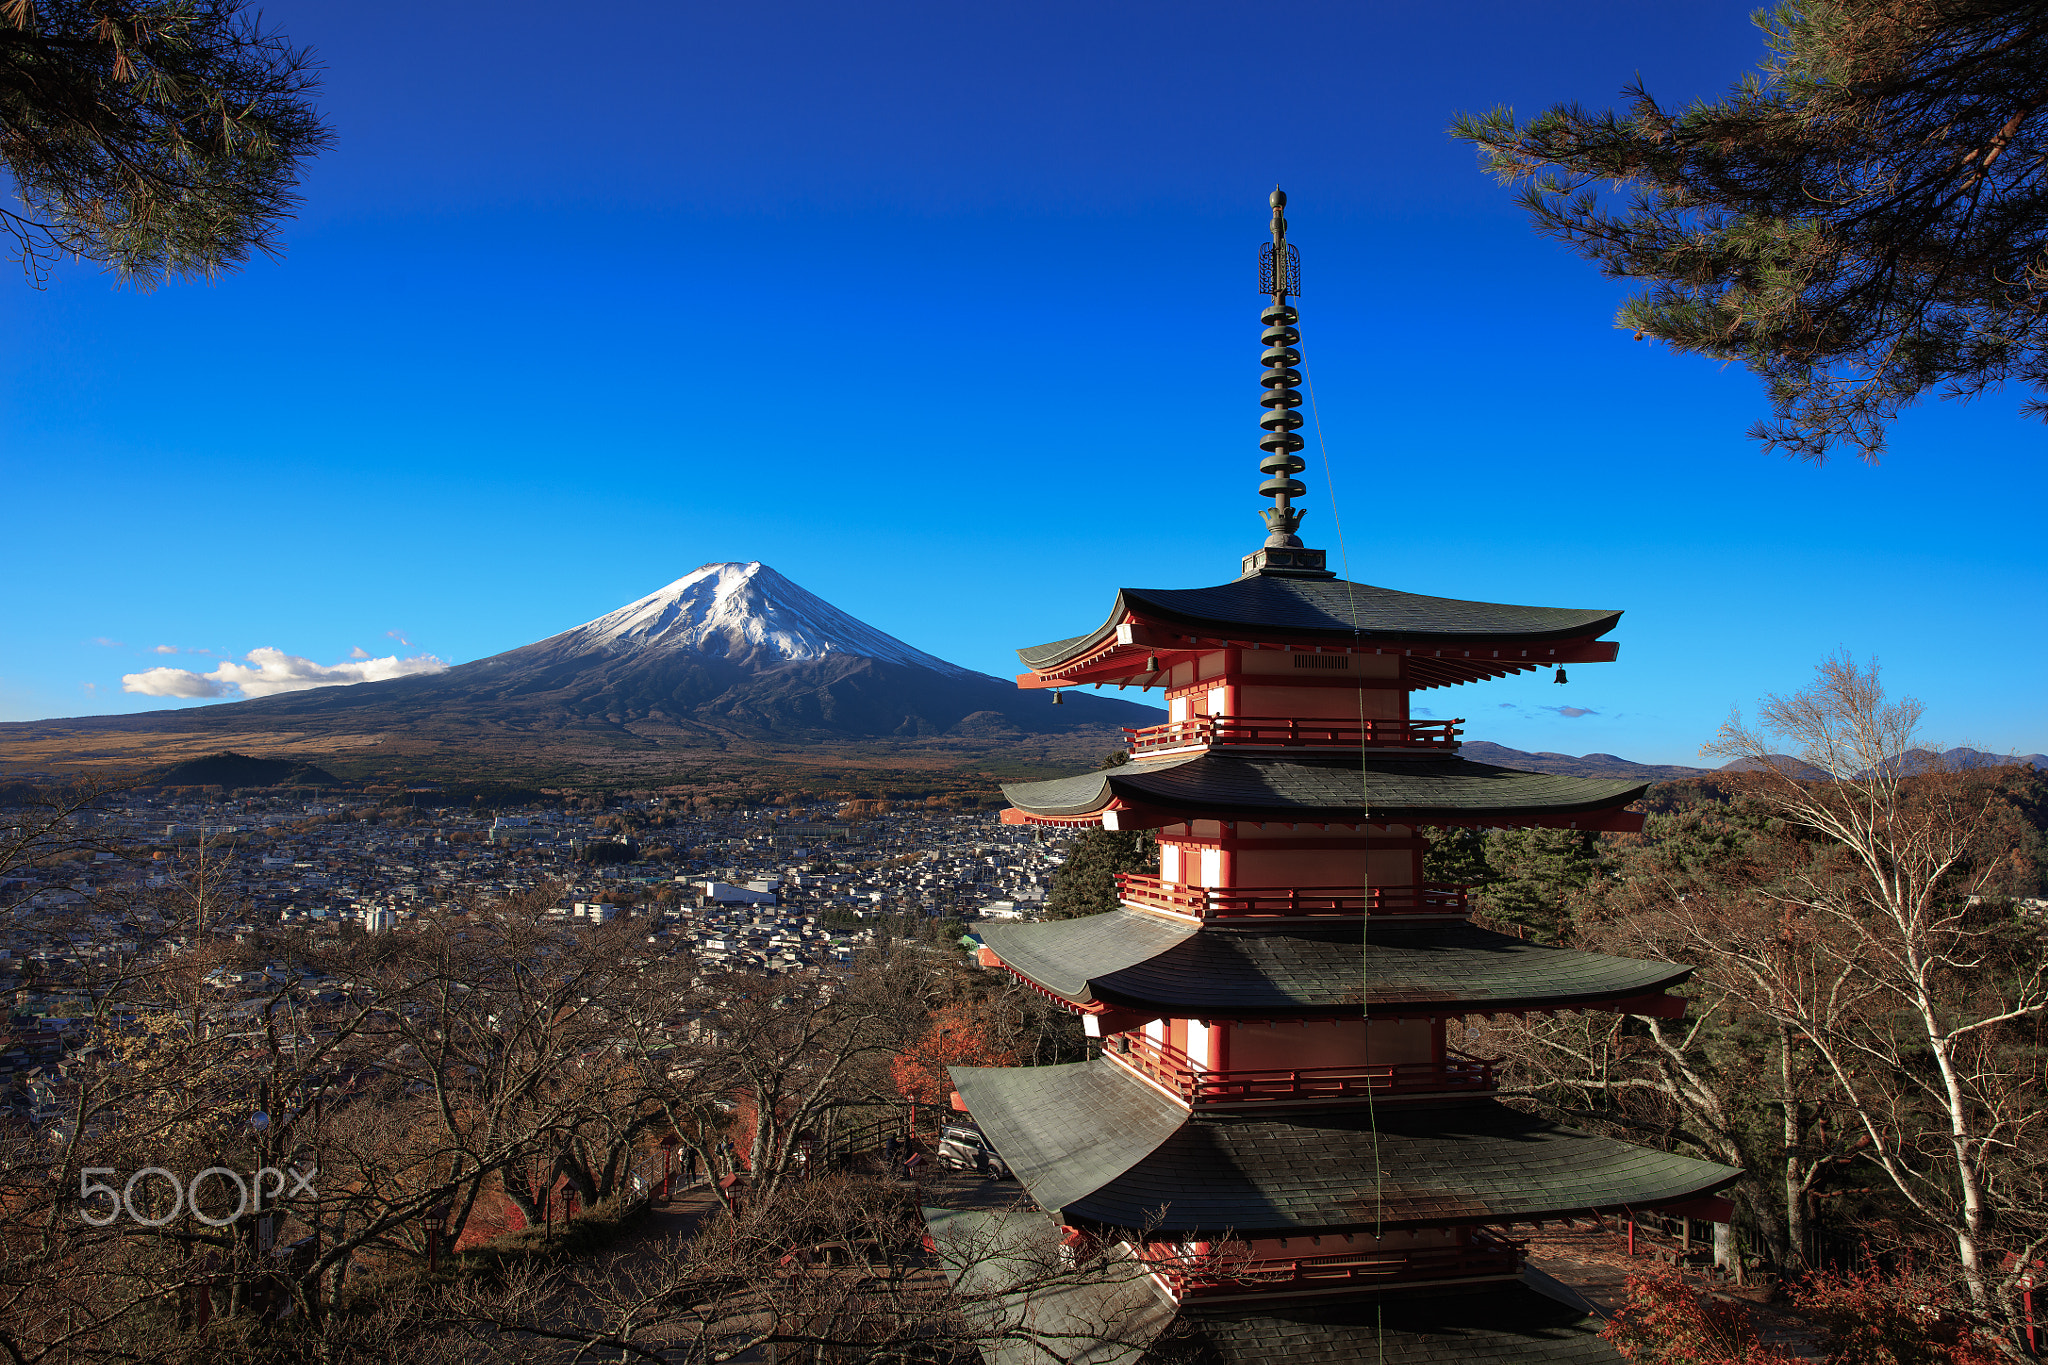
1568, 765
1611, 765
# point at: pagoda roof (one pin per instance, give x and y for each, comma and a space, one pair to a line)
1337, 610
1127, 959
1338, 787
999, 1258
1489, 1325
1093, 1142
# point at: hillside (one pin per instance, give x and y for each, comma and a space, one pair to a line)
731, 674
239, 770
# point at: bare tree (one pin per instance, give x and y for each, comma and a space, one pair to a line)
47, 829
1909, 987
830, 1269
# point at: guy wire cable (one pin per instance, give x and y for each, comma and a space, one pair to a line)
1379, 1204
1364, 797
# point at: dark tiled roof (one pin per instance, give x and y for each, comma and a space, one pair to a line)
1001, 1260
1304, 788
1137, 960
1487, 1325
1088, 1123
1061, 1128
1335, 609
1007, 1265
1062, 955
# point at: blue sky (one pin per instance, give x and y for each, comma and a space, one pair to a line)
949, 313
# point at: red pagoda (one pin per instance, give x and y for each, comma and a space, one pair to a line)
1276, 1125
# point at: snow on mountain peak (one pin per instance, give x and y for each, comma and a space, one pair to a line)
736, 610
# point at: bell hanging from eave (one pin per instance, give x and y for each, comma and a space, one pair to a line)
1559, 679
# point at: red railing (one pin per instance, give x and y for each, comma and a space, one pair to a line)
1198, 1085
1225, 902
1292, 732
1487, 1255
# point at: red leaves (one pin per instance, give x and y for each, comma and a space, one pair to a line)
959, 1036
1868, 1319
1666, 1322
1904, 1319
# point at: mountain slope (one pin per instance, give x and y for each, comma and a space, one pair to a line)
741, 613
1609, 765
1568, 765
731, 662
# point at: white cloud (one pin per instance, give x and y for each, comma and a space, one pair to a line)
359, 653
274, 671
172, 682
110, 644
164, 649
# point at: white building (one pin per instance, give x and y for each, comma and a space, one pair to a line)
727, 894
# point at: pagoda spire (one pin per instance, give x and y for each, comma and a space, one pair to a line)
1280, 277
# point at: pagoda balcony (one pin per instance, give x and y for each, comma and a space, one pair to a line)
1201, 1087
1291, 732
1278, 902
1192, 1277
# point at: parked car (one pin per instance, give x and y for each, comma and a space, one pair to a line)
963, 1146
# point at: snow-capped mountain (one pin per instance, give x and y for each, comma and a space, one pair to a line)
741, 612
731, 655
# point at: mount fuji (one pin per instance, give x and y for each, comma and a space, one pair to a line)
732, 664
742, 613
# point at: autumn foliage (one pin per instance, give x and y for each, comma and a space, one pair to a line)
1902, 1319
1866, 1319
958, 1036
1666, 1322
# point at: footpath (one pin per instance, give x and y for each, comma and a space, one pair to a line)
1594, 1263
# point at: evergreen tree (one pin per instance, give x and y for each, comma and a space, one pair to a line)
153, 136
1533, 876
1863, 223
1086, 882
1455, 856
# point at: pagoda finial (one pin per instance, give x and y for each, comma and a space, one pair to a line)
1280, 277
